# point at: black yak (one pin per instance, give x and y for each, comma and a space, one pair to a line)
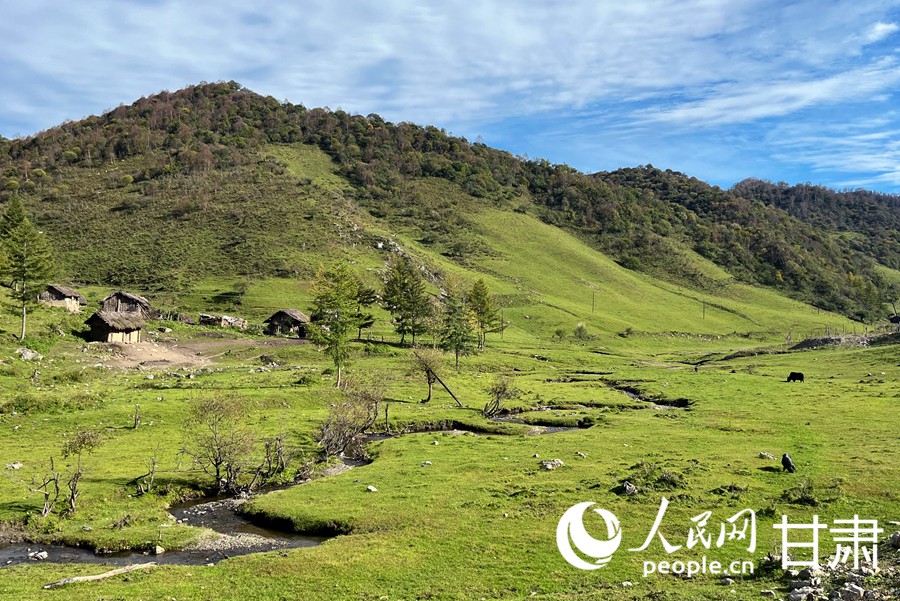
787, 463
795, 376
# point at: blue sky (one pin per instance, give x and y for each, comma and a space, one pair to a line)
721, 90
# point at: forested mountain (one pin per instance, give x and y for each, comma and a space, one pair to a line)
876, 217
189, 184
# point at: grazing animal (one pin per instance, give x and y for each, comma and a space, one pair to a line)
787, 463
795, 376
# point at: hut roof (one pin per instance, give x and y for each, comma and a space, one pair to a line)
120, 321
138, 299
293, 313
67, 292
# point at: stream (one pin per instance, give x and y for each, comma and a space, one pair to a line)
238, 536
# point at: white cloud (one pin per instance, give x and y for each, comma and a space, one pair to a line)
742, 103
880, 31
457, 64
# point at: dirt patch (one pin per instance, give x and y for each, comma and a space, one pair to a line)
172, 354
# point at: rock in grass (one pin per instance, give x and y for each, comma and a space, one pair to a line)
764, 455
158, 550
29, 355
15, 465
852, 592
371, 488
727, 581
551, 464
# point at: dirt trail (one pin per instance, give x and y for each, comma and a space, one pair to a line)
191, 353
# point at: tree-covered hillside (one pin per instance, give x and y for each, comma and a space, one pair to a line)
188, 184
875, 217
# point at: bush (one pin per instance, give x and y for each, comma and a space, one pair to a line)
581, 332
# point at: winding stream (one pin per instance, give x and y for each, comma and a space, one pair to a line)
239, 536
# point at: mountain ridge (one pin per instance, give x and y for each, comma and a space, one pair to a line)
182, 185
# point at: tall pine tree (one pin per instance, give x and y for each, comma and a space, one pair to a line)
404, 296
487, 318
27, 261
457, 331
336, 314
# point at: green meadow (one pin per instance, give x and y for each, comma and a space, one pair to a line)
463, 509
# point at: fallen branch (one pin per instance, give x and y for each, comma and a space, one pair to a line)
103, 576
436, 377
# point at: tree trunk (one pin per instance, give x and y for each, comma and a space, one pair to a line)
431, 380
24, 301
338, 383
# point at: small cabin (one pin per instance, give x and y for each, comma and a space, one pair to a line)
109, 326
126, 302
62, 296
222, 321
287, 322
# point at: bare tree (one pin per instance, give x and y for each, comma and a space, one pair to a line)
83, 441
348, 419
430, 363
49, 487
501, 389
217, 440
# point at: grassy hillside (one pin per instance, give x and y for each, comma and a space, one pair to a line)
214, 199
216, 180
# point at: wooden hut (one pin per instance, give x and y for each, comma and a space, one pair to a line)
110, 326
286, 322
126, 302
62, 296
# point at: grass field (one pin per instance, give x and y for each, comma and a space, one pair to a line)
479, 521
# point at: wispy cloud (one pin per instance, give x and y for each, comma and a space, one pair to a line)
647, 64
745, 102
880, 31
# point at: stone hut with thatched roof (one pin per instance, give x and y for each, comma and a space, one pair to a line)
286, 322
62, 296
110, 326
126, 302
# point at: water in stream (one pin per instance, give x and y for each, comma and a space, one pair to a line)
241, 537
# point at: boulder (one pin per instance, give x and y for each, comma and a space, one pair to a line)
852, 592
26, 354
551, 464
